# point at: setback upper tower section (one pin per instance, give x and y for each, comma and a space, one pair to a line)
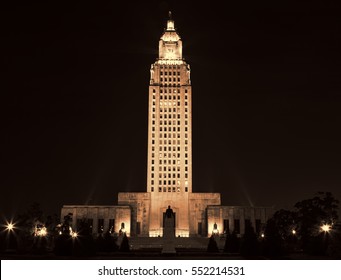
170, 44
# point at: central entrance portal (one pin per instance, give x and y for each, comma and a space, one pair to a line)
168, 232
169, 222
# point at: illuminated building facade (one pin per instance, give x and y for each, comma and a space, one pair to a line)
169, 165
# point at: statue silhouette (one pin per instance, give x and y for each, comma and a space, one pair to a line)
169, 212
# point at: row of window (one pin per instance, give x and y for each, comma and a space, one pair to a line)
164, 115
168, 106
169, 142
168, 175
169, 79
170, 85
236, 224
169, 135
169, 110
170, 182
170, 122
169, 162
169, 155
169, 91
169, 73
169, 189
163, 122
170, 97
170, 116
170, 128
169, 168
170, 103
82, 224
170, 148
175, 110
168, 66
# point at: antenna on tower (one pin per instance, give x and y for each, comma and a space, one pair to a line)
170, 14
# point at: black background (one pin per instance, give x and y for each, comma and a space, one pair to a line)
74, 99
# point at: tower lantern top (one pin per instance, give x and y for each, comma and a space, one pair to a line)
170, 45
170, 22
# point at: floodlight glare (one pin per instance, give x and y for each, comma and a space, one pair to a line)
326, 228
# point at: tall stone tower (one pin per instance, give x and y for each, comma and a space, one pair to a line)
169, 176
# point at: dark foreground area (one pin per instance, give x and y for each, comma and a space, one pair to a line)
155, 255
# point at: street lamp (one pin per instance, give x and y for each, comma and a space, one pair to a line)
40, 230
326, 228
10, 226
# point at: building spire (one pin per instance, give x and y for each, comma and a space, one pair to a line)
170, 22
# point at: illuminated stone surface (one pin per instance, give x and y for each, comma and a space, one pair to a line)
169, 166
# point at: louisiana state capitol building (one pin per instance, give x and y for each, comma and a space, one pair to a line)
169, 135
169, 166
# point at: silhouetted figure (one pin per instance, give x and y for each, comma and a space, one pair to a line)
212, 245
168, 232
124, 244
169, 212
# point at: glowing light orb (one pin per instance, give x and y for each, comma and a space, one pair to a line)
326, 228
74, 234
293, 232
10, 226
262, 235
43, 232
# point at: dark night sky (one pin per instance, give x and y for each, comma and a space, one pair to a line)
74, 93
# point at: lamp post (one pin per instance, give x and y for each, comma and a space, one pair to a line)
326, 228
11, 238
10, 227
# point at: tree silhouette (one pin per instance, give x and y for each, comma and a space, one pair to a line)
109, 242
272, 245
84, 243
232, 243
249, 246
212, 246
124, 244
312, 214
63, 242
